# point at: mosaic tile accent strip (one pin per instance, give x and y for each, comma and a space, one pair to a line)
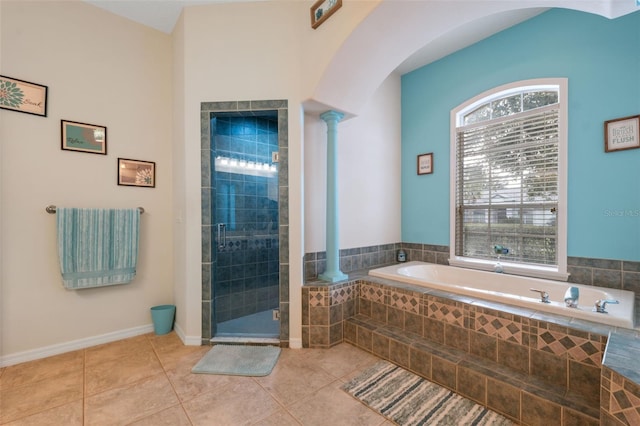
577, 348
372, 293
445, 312
343, 294
318, 298
624, 405
505, 329
404, 301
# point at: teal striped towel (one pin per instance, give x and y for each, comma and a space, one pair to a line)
97, 247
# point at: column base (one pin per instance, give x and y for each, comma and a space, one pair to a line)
333, 277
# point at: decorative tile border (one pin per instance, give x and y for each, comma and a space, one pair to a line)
620, 398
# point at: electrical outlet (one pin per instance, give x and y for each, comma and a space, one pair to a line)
276, 314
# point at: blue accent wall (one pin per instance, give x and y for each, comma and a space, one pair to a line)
601, 59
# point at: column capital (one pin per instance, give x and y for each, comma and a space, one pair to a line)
331, 115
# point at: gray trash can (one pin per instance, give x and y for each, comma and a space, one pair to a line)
163, 316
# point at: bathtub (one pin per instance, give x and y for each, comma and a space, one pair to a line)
515, 290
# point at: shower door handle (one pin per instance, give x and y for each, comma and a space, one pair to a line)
222, 235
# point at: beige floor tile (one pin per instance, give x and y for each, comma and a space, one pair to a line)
121, 371
341, 360
279, 418
116, 350
238, 403
173, 416
67, 415
189, 385
333, 406
294, 378
131, 403
32, 398
172, 355
35, 371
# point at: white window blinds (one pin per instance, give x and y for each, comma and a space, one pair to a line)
507, 187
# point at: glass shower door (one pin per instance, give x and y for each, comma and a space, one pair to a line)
246, 260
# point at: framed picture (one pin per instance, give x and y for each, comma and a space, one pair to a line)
84, 137
136, 173
22, 96
622, 133
425, 164
322, 10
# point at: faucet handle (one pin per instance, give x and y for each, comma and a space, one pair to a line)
544, 296
601, 304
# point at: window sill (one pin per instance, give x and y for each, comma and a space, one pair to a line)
534, 271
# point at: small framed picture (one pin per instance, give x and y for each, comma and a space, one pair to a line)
83, 137
136, 173
322, 10
622, 133
425, 164
23, 96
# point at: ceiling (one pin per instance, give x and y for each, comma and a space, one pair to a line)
163, 15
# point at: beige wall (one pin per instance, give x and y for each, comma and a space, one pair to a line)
100, 69
368, 173
146, 87
267, 50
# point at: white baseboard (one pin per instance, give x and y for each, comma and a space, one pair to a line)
74, 345
295, 343
187, 340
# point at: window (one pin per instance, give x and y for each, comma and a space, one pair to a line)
509, 179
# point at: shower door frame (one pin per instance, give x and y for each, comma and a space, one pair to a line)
208, 110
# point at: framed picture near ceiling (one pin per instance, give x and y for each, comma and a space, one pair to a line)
83, 137
322, 10
136, 173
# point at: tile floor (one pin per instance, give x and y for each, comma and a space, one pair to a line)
147, 380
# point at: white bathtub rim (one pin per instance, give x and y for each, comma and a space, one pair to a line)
621, 315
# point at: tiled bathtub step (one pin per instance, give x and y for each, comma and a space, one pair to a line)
518, 396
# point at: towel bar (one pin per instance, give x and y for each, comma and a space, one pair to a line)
51, 209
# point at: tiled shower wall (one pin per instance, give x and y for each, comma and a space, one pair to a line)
208, 110
246, 272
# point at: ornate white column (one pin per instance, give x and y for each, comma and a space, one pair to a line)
332, 272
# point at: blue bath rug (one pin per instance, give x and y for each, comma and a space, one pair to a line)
409, 400
238, 360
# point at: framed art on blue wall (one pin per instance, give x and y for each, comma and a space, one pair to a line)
622, 133
425, 164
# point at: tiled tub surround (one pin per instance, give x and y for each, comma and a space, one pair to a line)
620, 392
608, 273
515, 290
209, 110
362, 258
533, 368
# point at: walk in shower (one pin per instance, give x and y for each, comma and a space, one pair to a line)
242, 259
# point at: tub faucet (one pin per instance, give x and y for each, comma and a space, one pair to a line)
601, 304
571, 297
544, 296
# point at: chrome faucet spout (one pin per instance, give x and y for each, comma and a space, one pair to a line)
571, 297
